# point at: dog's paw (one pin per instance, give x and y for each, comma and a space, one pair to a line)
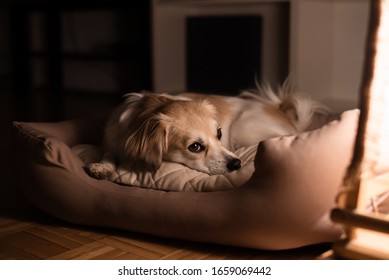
100, 170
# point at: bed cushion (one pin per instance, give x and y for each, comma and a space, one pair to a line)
174, 176
284, 204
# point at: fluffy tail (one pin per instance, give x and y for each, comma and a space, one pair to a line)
299, 107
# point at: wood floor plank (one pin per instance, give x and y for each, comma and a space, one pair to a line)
197, 251
149, 244
33, 245
177, 255
111, 255
143, 253
54, 238
218, 253
73, 234
95, 253
9, 226
128, 256
80, 252
191, 253
59, 230
92, 235
196, 255
15, 252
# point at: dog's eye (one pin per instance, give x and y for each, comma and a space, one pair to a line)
196, 147
219, 133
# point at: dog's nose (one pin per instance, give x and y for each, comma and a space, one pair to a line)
234, 164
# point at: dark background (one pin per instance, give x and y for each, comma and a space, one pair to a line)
58, 55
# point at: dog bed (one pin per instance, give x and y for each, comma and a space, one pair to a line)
285, 203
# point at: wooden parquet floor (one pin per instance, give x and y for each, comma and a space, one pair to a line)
27, 233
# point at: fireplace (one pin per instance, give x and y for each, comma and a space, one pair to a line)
223, 53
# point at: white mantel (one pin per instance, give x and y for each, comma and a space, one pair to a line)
326, 43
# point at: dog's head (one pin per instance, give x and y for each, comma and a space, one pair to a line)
175, 129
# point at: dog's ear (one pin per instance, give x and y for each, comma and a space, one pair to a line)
131, 101
148, 143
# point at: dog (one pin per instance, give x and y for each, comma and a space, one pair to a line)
197, 130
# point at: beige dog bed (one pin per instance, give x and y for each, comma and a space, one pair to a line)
283, 203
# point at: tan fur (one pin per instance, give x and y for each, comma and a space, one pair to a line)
223, 108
